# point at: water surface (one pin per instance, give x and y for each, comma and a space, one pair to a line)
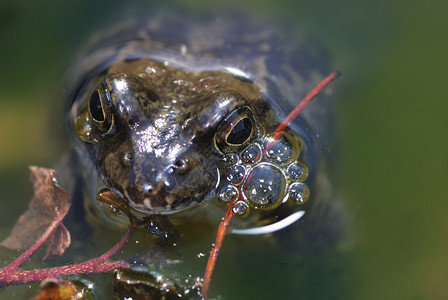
389, 162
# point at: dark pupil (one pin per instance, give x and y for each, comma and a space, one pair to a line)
95, 107
240, 132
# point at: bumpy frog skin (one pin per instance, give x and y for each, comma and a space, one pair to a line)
165, 123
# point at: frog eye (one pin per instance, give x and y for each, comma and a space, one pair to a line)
237, 129
240, 132
95, 107
100, 110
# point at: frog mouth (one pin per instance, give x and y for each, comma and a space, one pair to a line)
168, 204
135, 211
160, 200
170, 194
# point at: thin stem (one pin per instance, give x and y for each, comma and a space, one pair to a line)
18, 276
117, 247
12, 275
222, 230
30, 251
281, 128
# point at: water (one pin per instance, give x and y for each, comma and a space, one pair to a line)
389, 164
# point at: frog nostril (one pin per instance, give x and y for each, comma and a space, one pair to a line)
128, 156
148, 188
127, 159
182, 165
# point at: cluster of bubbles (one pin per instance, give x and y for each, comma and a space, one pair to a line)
264, 175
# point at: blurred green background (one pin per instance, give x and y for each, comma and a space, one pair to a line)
391, 162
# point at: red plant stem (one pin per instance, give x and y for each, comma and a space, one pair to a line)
222, 230
14, 275
118, 246
281, 128
18, 276
30, 251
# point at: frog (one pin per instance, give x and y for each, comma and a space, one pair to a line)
177, 118
169, 120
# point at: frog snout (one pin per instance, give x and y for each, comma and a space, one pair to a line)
183, 165
169, 186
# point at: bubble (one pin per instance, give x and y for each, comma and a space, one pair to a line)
298, 171
113, 210
265, 187
240, 209
279, 151
227, 193
231, 160
252, 154
299, 193
236, 174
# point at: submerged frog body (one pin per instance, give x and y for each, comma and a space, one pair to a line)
176, 117
168, 123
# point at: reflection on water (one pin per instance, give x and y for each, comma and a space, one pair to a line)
399, 227
301, 260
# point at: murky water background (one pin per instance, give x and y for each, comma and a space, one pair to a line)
390, 165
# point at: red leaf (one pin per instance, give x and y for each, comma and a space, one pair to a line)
49, 204
58, 242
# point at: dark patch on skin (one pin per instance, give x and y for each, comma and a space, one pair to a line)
133, 120
151, 96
